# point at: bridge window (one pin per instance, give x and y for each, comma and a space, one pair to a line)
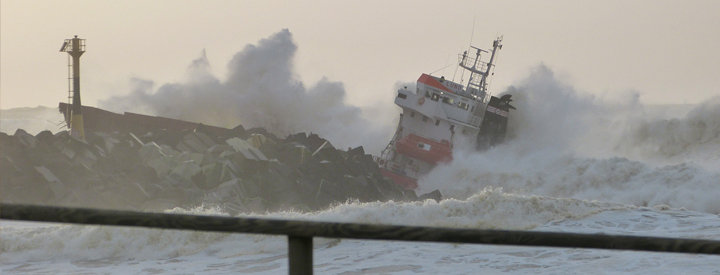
401, 95
448, 100
435, 97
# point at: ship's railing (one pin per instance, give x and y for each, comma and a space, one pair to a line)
301, 233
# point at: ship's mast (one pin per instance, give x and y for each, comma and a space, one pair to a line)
477, 86
496, 45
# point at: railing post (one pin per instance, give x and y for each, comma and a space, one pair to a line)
300, 255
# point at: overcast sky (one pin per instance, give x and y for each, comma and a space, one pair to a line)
668, 51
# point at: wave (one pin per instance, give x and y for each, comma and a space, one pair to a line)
566, 144
489, 209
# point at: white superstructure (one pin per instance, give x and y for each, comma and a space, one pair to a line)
437, 114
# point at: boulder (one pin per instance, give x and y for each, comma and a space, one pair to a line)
240, 170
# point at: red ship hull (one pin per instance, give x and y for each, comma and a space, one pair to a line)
406, 182
424, 149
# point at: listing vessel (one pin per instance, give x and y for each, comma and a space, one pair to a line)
442, 113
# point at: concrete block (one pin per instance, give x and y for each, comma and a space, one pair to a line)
56, 186
26, 139
249, 151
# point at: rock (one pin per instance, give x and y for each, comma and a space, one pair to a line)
239, 131
249, 151
196, 141
357, 151
257, 140
240, 170
434, 195
25, 139
45, 137
52, 181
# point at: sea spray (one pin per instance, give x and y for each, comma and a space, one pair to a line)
697, 134
260, 90
559, 184
566, 144
32, 120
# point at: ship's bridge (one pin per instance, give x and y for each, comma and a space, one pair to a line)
441, 83
432, 83
442, 99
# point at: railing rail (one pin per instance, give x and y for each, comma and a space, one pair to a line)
300, 233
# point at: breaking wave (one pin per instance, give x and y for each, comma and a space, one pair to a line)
491, 208
566, 144
260, 90
488, 209
572, 162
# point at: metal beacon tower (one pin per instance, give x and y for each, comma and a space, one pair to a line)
75, 47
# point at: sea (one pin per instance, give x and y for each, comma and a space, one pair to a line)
572, 162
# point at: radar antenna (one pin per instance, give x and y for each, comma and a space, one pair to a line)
477, 86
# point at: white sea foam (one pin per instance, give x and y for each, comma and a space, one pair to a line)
69, 249
488, 209
569, 145
573, 163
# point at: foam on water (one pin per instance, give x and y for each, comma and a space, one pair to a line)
488, 209
565, 144
614, 179
43, 248
573, 162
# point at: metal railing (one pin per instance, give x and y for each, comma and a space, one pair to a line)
300, 233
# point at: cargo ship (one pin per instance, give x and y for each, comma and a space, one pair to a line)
440, 113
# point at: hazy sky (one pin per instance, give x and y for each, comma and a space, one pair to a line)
668, 51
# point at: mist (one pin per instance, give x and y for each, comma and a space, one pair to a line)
565, 143
261, 89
